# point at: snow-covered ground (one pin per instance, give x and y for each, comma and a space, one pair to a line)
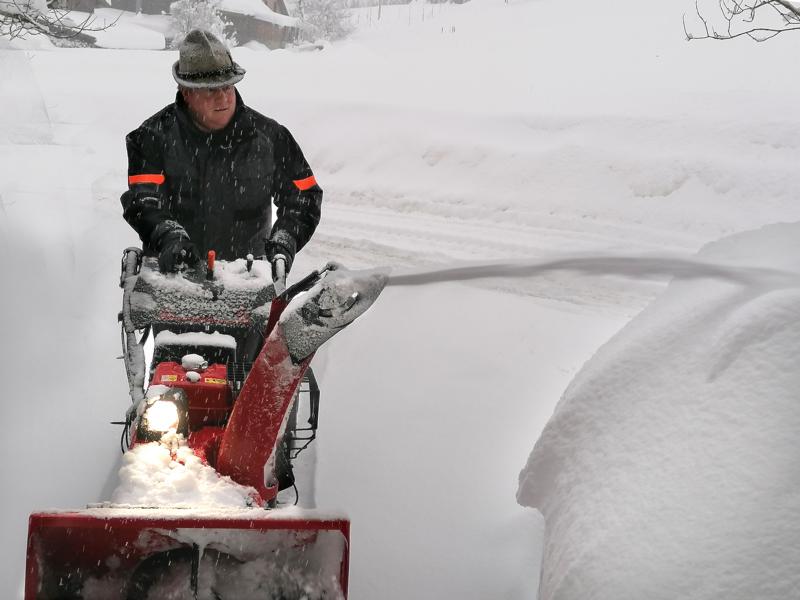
537, 130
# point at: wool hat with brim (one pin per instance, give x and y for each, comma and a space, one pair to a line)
204, 62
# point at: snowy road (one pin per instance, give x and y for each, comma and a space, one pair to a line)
364, 237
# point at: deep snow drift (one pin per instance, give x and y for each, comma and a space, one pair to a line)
669, 469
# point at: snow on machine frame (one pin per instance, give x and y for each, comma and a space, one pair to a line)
237, 416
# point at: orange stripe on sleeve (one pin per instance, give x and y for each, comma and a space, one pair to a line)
304, 184
158, 179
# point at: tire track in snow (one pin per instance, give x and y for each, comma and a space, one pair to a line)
367, 237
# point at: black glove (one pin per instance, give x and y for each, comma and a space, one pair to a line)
176, 249
274, 248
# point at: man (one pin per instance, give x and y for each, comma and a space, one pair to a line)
202, 171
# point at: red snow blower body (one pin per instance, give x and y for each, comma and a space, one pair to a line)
228, 378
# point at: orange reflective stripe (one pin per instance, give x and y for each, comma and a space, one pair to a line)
304, 184
158, 179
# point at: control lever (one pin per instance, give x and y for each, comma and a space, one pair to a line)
279, 274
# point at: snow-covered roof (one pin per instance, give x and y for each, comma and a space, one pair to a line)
125, 30
258, 10
27, 7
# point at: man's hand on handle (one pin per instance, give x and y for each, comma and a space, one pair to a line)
176, 249
280, 257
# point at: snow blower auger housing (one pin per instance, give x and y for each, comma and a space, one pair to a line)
229, 357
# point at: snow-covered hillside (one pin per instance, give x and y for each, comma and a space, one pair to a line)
523, 130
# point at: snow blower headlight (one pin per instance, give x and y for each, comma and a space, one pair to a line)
161, 416
163, 413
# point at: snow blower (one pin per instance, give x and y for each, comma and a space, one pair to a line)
228, 375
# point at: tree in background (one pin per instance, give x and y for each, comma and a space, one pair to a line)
728, 19
20, 18
324, 19
199, 14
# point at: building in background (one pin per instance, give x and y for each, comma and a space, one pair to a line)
264, 21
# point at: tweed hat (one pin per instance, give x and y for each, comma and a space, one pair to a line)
204, 62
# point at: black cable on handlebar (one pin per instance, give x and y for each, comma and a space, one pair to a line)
305, 284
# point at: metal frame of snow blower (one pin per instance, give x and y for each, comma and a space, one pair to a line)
297, 439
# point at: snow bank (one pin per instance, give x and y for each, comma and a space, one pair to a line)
669, 467
24, 118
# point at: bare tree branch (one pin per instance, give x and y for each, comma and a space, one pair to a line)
20, 19
690, 36
795, 10
759, 20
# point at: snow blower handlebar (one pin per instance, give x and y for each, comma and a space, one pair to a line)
133, 350
307, 282
279, 274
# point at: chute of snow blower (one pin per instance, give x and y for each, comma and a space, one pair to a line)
229, 357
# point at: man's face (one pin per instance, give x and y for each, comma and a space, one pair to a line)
212, 109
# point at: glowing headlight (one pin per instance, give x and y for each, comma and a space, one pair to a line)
161, 416
164, 412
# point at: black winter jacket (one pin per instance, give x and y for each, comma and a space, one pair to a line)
218, 185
